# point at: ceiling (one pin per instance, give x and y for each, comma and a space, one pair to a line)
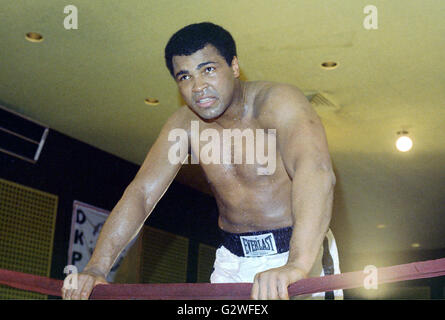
91, 83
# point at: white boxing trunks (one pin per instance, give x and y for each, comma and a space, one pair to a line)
242, 256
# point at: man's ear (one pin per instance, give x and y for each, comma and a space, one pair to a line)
235, 67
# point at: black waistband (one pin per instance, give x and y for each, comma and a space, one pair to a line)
232, 241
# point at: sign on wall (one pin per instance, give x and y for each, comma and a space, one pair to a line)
86, 224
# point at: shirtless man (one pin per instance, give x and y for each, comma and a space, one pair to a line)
275, 224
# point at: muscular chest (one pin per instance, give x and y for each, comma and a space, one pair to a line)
244, 153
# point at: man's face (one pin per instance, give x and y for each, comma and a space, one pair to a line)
205, 81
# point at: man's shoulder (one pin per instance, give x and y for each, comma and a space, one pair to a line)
268, 93
275, 101
181, 118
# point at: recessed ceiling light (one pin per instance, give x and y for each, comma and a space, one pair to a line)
404, 143
381, 226
151, 101
329, 65
415, 245
34, 37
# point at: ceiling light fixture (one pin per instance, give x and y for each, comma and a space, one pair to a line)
403, 143
415, 245
329, 65
151, 101
381, 226
34, 37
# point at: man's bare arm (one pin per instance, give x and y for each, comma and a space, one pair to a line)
136, 204
303, 146
306, 157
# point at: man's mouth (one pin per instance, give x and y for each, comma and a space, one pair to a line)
206, 102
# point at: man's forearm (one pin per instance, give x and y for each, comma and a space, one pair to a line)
122, 225
312, 198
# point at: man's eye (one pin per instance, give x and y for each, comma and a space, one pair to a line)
210, 69
185, 77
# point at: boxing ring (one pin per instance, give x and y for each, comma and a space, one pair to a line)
225, 291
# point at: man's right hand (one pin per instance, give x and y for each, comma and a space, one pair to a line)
86, 281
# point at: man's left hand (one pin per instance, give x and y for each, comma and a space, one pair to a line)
273, 283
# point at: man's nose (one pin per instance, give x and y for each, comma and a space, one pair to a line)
199, 85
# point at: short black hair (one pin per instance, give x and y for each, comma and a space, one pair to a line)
196, 36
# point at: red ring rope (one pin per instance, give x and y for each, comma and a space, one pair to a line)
232, 291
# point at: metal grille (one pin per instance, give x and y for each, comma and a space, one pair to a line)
320, 102
27, 222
